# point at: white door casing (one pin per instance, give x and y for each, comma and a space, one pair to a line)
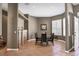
76, 33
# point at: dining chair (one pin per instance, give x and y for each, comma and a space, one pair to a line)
52, 38
44, 39
37, 38
2, 42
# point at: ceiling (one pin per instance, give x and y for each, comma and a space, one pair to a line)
42, 9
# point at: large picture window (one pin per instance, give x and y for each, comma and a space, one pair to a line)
57, 27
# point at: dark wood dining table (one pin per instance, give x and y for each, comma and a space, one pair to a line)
48, 38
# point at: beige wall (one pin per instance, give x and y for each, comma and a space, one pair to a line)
44, 20
32, 26
20, 22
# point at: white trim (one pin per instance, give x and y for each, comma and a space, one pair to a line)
31, 40
69, 50
10, 49
62, 41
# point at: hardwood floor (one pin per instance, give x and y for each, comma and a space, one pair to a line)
30, 49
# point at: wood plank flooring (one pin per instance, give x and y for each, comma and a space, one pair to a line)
30, 49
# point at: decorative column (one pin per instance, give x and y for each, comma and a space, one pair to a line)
12, 41
68, 11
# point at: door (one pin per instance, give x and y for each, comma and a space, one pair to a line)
76, 31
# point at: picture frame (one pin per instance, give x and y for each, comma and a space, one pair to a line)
43, 26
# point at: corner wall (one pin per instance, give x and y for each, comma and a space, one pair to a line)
32, 25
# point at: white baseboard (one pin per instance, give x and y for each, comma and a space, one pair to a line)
10, 49
69, 50
31, 40
62, 41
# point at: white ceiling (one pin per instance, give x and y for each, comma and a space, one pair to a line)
42, 9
